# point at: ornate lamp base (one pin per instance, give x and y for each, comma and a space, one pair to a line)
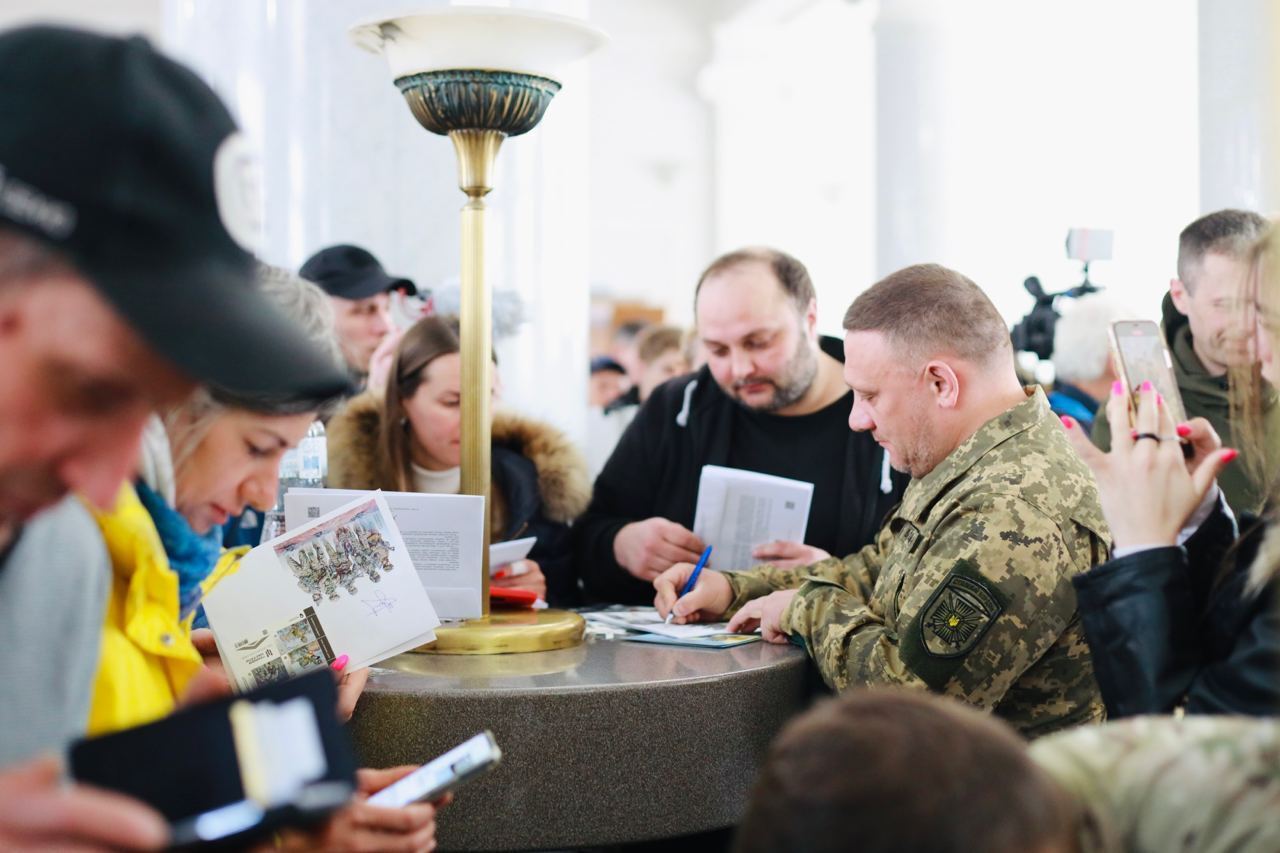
509, 632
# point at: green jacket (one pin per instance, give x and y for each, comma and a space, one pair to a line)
1154, 784
967, 591
1204, 396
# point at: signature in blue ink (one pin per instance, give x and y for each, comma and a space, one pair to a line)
380, 603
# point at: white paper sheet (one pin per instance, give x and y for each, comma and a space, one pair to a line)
505, 553
647, 621
738, 510
342, 584
443, 534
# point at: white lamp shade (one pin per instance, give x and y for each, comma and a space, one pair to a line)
474, 37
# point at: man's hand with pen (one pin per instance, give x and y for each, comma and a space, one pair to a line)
707, 601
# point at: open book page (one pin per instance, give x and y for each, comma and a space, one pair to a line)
342, 584
443, 535
738, 510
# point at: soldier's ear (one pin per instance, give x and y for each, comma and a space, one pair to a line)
943, 383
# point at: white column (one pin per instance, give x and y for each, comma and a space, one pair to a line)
1239, 109
345, 162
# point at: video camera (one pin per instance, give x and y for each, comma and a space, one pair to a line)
1034, 332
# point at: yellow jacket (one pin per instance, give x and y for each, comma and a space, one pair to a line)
147, 658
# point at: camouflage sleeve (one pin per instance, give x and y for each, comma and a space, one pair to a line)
1157, 783
1100, 432
855, 572
988, 596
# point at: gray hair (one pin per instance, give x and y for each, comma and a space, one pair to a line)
1081, 346
302, 302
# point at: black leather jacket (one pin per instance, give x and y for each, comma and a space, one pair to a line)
1176, 626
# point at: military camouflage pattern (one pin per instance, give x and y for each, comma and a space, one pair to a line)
1197, 784
967, 591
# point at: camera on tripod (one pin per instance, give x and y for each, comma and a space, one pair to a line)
1034, 332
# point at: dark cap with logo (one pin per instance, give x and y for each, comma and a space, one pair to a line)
351, 272
128, 165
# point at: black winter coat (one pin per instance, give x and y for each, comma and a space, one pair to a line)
1172, 626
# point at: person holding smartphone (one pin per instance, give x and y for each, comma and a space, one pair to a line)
1195, 626
1209, 339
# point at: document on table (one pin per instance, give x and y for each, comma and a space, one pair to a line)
341, 585
647, 621
443, 535
738, 510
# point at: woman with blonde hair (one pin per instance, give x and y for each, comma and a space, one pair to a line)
1196, 626
408, 438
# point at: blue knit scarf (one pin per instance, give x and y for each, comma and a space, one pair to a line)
191, 555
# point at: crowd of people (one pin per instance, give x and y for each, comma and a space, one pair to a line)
988, 586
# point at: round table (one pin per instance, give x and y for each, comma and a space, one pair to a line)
605, 743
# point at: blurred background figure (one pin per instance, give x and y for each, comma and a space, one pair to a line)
608, 381
1082, 365
360, 290
660, 354
624, 347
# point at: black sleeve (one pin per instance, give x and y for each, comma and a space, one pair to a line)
625, 491
1140, 620
553, 553
1247, 680
1158, 638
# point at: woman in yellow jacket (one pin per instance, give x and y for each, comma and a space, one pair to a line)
202, 463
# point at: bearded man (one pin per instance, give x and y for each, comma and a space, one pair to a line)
771, 399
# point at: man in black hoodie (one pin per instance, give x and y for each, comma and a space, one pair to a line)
1202, 322
772, 399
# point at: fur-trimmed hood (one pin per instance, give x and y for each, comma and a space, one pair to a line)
563, 482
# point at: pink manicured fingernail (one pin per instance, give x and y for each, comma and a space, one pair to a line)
339, 663
1146, 385
1183, 430
1133, 433
1231, 453
1117, 388
1159, 399
1068, 421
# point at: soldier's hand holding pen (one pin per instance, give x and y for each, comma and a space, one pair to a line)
706, 602
1147, 488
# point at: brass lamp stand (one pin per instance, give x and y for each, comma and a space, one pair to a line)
458, 91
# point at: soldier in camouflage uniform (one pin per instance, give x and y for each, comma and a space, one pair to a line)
967, 590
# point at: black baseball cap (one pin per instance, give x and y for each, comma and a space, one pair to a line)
132, 168
351, 272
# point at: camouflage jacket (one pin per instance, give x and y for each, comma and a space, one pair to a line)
967, 591
1166, 785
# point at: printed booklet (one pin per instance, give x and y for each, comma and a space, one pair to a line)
340, 585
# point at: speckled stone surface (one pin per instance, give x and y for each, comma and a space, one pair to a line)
605, 743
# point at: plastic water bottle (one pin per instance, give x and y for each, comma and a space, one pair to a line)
305, 466
313, 452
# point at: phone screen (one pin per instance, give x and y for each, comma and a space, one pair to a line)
442, 774
1143, 357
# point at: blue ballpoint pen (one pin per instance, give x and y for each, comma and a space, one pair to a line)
688, 585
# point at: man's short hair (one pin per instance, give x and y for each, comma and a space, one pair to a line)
790, 273
1223, 232
896, 771
927, 309
1081, 345
655, 341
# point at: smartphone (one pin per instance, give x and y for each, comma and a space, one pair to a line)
1141, 356
436, 778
